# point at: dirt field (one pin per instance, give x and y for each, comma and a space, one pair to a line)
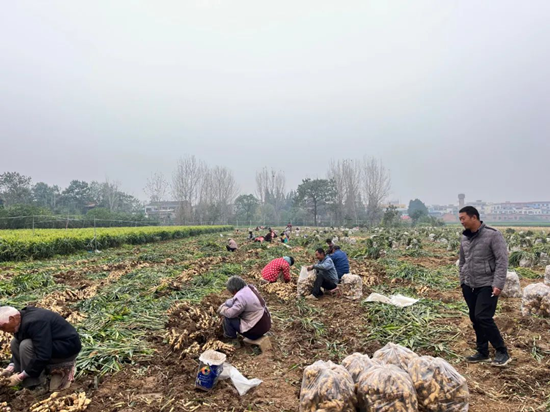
130, 296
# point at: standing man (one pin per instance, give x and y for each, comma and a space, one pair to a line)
483, 266
277, 269
327, 278
341, 262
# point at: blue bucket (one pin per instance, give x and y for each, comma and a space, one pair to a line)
210, 368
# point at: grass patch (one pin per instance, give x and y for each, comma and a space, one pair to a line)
418, 327
528, 273
442, 278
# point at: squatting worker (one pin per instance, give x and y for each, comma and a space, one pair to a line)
246, 312
483, 266
341, 262
42, 341
231, 245
326, 276
330, 245
278, 269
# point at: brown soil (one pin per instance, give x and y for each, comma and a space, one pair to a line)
165, 382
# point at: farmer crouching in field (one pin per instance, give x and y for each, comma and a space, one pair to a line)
246, 312
483, 266
327, 277
231, 245
42, 341
271, 236
277, 269
341, 262
330, 245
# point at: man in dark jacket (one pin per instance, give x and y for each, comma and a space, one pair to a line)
330, 245
42, 340
341, 262
483, 267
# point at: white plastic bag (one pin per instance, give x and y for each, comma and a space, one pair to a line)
438, 385
306, 281
536, 300
351, 286
512, 288
303, 274
242, 384
547, 275
385, 388
327, 387
357, 363
395, 300
377, 297
395, 354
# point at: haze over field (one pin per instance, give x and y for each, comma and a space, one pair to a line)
451, 96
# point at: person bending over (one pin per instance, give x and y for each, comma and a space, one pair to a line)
42, 342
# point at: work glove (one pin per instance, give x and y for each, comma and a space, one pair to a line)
15, 379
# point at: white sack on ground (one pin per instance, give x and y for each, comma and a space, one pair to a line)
242, 384
395, 300
512, 288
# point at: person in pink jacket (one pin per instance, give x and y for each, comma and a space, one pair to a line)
231, 245
246, 312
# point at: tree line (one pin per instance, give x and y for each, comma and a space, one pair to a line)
352, 192
80, 204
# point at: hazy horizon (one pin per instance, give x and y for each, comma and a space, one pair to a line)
453, 96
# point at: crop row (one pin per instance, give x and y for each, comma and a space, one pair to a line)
46, 243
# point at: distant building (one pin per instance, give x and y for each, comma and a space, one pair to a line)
495, 212
400, 207
450, 218
518, 211
448, 213
162, 211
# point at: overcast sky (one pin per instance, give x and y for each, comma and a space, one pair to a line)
453, 96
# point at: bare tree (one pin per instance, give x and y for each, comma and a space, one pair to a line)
346, 175
262, 182
225, 190
270, 189
270, 185
352, 181
111, 194
186, 183
206, 196
156, 187
376, 187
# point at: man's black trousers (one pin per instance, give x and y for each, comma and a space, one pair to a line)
321, 282
482, 309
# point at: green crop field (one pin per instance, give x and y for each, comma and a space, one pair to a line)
45, 243
145, 313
